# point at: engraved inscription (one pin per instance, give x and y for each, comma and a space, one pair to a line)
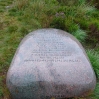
55, 60
50, 48
55, 96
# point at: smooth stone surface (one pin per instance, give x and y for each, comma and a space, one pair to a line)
50, 63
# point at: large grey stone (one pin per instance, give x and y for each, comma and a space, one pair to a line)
50, 63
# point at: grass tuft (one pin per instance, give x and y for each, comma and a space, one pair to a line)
20, 4
80, 35
94, 59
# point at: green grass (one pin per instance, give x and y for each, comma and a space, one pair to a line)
20, 17
94, 59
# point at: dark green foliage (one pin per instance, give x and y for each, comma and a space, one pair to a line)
12, 29
1, 92
14, 12
23, 30
72, 2
1, 88
58, 22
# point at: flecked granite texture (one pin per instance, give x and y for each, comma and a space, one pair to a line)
50, 63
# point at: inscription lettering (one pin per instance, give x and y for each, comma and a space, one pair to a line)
51, 49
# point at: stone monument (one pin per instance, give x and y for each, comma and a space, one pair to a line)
50, 63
